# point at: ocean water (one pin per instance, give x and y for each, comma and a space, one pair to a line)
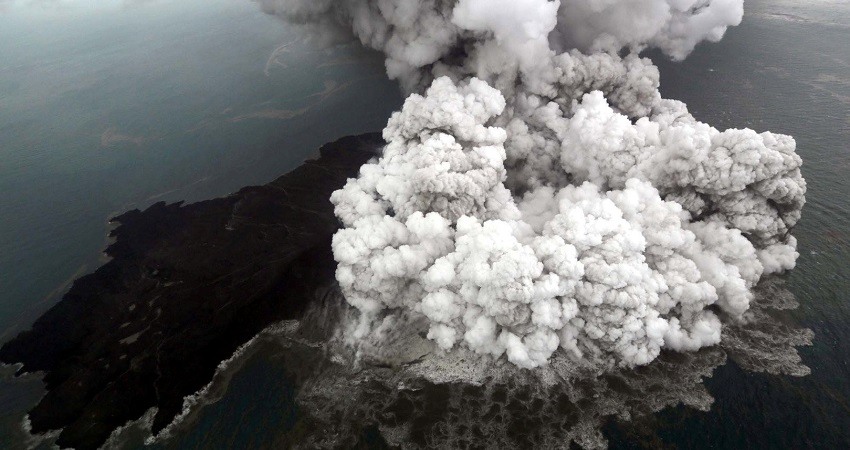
786, 69
107, 106
119, 117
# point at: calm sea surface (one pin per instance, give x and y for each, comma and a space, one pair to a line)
116, 106
111, 107
107, 106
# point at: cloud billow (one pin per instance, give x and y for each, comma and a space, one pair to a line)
537, 195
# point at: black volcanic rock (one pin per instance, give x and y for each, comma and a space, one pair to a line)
187, 285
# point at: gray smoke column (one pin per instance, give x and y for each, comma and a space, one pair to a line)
538, 195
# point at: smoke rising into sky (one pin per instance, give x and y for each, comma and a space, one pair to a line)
538, 195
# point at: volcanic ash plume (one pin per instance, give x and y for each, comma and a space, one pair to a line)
537, 195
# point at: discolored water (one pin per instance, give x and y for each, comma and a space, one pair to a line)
87, 128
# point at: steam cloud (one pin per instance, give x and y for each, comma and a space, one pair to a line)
538, 195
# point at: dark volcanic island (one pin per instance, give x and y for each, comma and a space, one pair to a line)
186, 286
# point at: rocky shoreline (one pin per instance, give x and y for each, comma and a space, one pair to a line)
186, 286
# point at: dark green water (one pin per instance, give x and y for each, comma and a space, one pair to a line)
168, 97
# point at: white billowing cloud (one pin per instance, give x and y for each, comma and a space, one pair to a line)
519, 28
738, 174
536, 199
606, 269
486, 38
674, 26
